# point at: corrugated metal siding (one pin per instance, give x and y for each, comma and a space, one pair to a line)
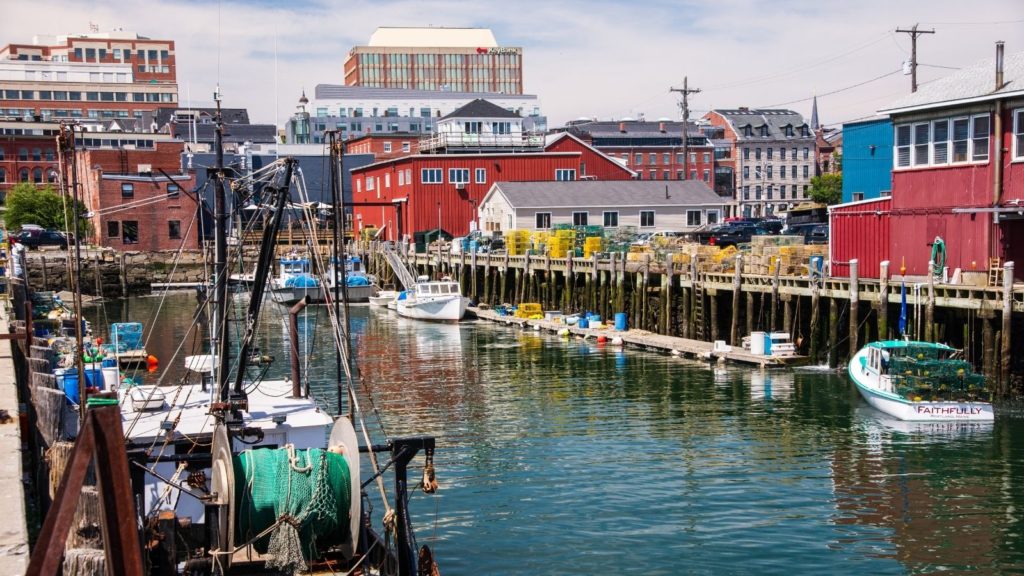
861, 232
595, 163
967, 239
867, 158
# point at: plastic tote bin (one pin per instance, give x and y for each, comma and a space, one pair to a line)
620, 321
583, 323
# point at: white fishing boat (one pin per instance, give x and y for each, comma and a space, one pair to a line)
439, 300
383, 298
920, 381
295, 281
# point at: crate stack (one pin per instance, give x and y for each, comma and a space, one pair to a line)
591, 245
517, 242
541, 241
786, 253
561, 243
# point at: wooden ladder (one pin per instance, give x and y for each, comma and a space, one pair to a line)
994, 272
698, 309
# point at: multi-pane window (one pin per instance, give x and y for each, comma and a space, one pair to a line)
174, 229
770, 176
611, 219
757, 153
961, 139
807, 171
746, 192
580, 218
707, 157
652, 158
807, 153
940, 135
693, 218
431, 176
387, 147
1018, 133
782, 153
481, 175
127, 190
746, 153
782, 192
712, 216
638, 159
922, 135
707, 175
543, 220
793, 172
769, 152
757, 193
979, 138
566, 174
665, 175
943, 141
130, 232
647, 218
458, 175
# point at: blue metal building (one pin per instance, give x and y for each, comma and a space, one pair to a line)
867, 159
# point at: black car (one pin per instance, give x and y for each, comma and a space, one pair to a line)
34, 238
734, 234
815, 233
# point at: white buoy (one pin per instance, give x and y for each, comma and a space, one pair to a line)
563, 332
676, 352
536, 327
616, 341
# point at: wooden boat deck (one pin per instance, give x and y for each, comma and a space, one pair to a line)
648, 340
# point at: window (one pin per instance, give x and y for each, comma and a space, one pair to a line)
387, 179
757, 173
1018, 135
807, 152
940, 137
746, 153
746, 171
37, 154
793, 172
782, 192
3, 175
806, 171
654, 175
769, 152
679, 174
387, 147
611, 219
130, 232
666, 175
113, 229
707, 157
858, 196
769, 191
472, 127
481, 176
458, 175
638, 159
770, 176
782, 153
652, 158
51, 176
127, 190
922, 133
37, 175
746, 192
580, 218
639, 175
565, 174
173, 190
757, 153
23, 175
401, 178
23, 154
693, 218
647, 218
666, 158
961, 136
543, 220
782, 171
174, 229
707, 174
430, 176
979, 139
757, 193
406, 147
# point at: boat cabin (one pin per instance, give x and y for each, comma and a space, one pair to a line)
291, 265
440, 288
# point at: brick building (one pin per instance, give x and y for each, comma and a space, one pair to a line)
384, 146
99, 75
654, 150
774, 156
132, 202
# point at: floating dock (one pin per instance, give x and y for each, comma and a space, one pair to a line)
648, 341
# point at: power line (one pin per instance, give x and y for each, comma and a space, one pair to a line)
990, 23
857, 85
937, 66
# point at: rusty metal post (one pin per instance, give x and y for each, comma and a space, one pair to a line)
293, 337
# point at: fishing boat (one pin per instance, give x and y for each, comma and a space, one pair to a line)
295, 281
383, 298
439, 300
920, 381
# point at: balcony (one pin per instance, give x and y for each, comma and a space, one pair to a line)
460, 141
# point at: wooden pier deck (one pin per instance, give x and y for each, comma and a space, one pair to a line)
647, 341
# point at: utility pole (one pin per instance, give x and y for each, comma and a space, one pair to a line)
914, 33
685, 105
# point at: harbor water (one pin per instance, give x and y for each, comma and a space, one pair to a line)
569, 457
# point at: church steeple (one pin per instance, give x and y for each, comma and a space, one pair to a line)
814, 114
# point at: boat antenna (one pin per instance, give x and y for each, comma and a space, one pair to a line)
220, 305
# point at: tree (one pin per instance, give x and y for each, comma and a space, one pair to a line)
827, 189
28, 205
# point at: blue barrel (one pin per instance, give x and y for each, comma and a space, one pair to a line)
620, 321
108, 362
583, 323
68, 382
767, 343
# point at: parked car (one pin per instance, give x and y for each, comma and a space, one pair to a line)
813, 233
645, 238
733, 234
34, 238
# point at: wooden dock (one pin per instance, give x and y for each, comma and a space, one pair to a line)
647, 341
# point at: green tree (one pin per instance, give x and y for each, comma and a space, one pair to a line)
827, 188
28, 205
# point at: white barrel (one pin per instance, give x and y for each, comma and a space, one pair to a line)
757, 343
111, 377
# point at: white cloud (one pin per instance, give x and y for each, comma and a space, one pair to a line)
583, 58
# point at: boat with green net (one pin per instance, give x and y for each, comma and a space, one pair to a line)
921, 381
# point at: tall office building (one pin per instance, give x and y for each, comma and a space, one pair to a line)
455, 59
97, 75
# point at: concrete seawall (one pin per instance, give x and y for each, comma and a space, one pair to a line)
14, 546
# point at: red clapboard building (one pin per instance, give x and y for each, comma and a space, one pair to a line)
958, 175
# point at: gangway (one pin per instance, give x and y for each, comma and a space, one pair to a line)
401, 272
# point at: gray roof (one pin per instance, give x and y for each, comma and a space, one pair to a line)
632, 128
165, 115
608, 193
776, 120
977, 82
334, 91
481, 108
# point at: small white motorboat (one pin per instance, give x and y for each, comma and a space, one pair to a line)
383, 298
920, 381
433, 300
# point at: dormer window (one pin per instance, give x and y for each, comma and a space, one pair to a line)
804, 131
788, 129
764, 130
748, 130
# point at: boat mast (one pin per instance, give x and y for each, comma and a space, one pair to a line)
220, 267
340, 296
66, 147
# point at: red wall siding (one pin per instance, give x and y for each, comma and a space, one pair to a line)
966, 237
860, 231
457, 207
596, 164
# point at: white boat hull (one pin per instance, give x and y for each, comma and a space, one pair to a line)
868, 385
383, 298
450, 308
317, 295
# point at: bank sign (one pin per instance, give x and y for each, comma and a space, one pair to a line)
498, 50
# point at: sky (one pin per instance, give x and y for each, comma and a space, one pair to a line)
604, 59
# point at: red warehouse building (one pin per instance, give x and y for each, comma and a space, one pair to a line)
958, 175
132, 202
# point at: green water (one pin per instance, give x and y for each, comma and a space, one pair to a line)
565, 457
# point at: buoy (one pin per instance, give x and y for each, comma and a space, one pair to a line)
602, 339
563, 332
152, 363
675, 352
537, 327
616, 341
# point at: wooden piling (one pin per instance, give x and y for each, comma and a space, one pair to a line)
1004, 352
815, 325
854, 303
124, 276
988, 345
750, 312
929, 311
620, 279
773, 320
787, 314
713, 300
737, 282
882, 308
833, 332
472, 277
665, 318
